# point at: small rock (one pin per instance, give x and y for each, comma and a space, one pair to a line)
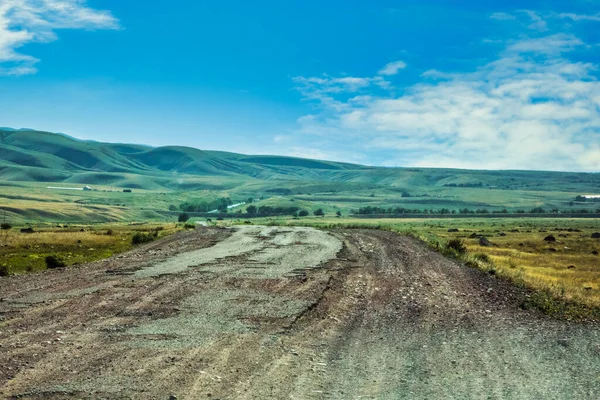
550, 238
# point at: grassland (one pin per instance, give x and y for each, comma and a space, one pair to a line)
564, 274
73, 244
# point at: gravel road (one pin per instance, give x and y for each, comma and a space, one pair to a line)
284, 313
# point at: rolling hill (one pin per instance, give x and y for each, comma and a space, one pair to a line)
29, 158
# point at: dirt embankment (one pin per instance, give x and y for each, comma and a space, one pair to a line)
263, 312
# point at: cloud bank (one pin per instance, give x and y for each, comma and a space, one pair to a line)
36, 21
531, 107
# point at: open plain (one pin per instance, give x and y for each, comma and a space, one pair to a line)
257, 312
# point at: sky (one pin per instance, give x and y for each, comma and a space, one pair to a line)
422, 83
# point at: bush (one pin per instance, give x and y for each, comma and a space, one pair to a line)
109, 232
54, 262
189, 226
457, 245
3, 270
140, 237
183, 217
482, 257
303, 213
126, 190
4, 226
319, 213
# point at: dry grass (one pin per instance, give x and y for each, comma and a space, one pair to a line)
20, 252
566, 268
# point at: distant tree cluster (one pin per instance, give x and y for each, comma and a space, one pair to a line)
465, 185
204, 206
270, 210
370, 210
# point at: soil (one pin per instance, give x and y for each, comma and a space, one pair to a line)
284, 313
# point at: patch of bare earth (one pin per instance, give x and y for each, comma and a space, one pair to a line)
296, 313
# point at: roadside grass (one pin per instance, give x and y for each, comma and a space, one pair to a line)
22, 253
563, 275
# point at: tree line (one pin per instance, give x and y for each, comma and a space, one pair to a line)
370, 210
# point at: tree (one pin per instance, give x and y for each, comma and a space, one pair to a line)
5, 226
338, 213
303, 213
183, 217
250, 200
172, 207
251, 209
319, 212
405, 194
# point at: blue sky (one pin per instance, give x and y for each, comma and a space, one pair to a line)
468, 84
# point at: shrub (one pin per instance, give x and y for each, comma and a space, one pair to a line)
457, 245
319, 212
126, 190
482, 257
3, 270
54, 262
189, 226
5, 226
109, 232
303, 213
140, 237
183, 217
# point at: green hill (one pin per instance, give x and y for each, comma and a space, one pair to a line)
31, 158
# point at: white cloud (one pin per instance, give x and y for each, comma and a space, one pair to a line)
392, 68
554, 44
501, 16
537, 21
531, 108
35, 21
579, 17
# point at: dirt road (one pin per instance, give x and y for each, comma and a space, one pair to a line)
284, 313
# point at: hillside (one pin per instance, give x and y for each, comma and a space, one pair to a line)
30, 160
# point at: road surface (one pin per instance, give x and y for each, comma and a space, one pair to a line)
284, 313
